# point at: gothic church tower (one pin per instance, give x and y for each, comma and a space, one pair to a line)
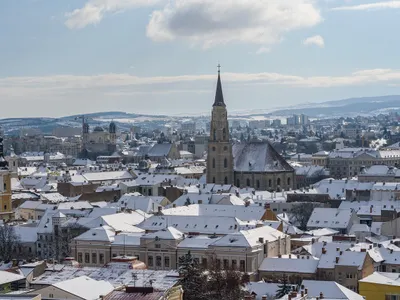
219, 158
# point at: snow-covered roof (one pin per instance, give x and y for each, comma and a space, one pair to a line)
109, 175
244, 213
250, 238
330, 217
160, 150
330, 290
75, 205
345, 258
258, 157
53, 197
198, 241
125, 222
7, 277
85, 288
104, 234
198, 224
169, 233
304, 264
383, 278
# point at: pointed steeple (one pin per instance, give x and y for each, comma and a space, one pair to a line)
219, 97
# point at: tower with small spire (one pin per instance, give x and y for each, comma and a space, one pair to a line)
219, 157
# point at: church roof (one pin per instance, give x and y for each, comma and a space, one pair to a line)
219, 97
98, 129
258, 157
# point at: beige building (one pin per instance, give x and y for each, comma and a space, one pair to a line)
160, 250
349, 162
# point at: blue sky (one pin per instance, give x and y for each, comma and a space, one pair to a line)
62, 57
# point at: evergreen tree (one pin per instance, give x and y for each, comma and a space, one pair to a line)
193, 280
284, 288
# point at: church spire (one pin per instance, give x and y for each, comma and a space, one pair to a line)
219, 97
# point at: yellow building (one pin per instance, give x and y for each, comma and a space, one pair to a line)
380, 286
6, 211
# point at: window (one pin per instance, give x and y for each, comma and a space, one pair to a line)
158, 261
237, 182
213, 179
87, 258
101, 258
213, 163
258, 184
225, 148
248, 182
215, 135
288, 181
234, 264
5, 187
226, 264
225, 163
166, 261
213, 148
5, 207
278, 182
150, 261
224, 133
242, 266
226, 180
158, 246
79, 257
204, 262
269, 183
218, 263
51, 296
94, 258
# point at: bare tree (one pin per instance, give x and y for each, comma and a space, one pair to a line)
9, 242
301, 213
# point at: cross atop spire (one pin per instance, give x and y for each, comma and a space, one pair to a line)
219, 97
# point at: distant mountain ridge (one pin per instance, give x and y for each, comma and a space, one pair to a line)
337, 108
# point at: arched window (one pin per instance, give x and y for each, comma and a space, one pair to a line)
225, 163
278, 181
213, 148
288, 182
224, 133
238, 183
215, 135
248, 182
213, 163
213, 179
226, 180
269, 183
225, 148
258, 184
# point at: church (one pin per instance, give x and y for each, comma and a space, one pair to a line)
99, 141
253, 164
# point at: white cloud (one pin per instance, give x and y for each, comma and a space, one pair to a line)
370, 6
209, 22
94, 10
127, 81
316, 40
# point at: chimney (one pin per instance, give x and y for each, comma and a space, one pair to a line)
337, 259
174, 205
261, 240
298, 256
323, 250
200, 202
337, 249
279, 256
290, 256
370, 209
363, 250
159, 209
306, 291
264, 297
321, 295
391, 251
302, 294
